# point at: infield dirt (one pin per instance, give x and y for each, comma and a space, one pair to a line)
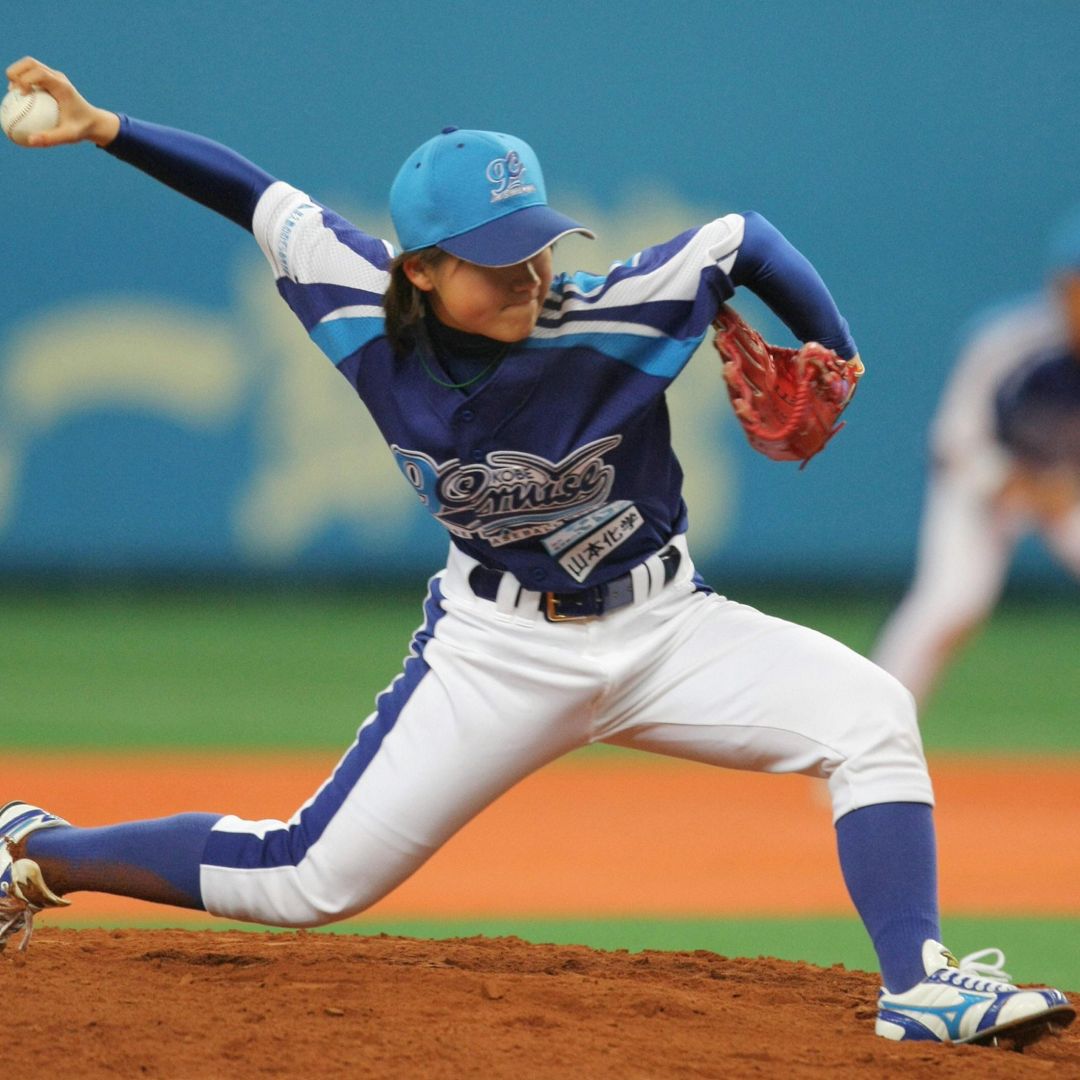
604, 838
197, 1004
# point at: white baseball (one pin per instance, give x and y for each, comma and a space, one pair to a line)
23, 115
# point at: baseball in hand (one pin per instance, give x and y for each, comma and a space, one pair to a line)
23, 115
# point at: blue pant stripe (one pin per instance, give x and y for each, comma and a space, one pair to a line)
288, 846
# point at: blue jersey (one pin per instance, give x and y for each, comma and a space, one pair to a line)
559, 466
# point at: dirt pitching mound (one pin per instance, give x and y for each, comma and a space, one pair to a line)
186, 1004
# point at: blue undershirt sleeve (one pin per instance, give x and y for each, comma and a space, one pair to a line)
772, 268
197, 167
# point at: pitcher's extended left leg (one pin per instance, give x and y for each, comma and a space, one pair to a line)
462, 724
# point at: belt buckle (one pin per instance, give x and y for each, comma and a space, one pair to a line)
551, 610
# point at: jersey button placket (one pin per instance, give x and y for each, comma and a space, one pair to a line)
465, 418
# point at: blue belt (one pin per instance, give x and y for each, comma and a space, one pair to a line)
582, 603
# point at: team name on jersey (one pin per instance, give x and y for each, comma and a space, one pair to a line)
511, 495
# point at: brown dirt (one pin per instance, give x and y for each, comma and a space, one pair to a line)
194, 1004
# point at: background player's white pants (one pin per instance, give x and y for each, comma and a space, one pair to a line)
492, 691
966, 543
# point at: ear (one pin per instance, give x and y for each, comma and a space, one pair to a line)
418, 273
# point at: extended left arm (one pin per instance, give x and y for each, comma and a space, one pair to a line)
775, 270
788, 400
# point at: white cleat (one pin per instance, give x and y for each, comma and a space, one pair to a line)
970, 1002
23, 892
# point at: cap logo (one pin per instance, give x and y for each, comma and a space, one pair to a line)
505, 174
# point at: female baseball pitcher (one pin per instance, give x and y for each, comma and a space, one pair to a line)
527, 411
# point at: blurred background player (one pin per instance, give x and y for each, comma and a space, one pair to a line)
1005, 449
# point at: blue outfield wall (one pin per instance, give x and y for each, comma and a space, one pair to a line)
161, 413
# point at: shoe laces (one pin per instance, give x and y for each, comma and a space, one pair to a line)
993, 969
15, 914
982, 970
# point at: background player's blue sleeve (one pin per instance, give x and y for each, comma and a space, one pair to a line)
772, 268
198, 167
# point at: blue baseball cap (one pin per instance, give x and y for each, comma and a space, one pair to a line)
478, 195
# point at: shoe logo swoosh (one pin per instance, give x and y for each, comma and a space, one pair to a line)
950, 1015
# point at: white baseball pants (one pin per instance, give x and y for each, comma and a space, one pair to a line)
492, 691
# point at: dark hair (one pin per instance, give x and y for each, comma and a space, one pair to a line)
403, 303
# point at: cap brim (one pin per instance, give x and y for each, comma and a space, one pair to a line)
514, 237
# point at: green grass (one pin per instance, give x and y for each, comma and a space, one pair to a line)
1036, 950
1014, 687
219, 668
193, 670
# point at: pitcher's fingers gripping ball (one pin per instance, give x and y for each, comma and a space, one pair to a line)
23, 115
787, 400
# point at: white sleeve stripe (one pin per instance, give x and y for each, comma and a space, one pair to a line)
596, 326
275, 203
293, 235
715, 244
354, 311
727, 246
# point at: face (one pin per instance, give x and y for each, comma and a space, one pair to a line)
500, 302
1068, 286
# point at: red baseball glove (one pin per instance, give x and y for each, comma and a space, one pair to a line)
787, 400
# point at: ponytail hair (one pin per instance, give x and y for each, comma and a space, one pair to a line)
404, 305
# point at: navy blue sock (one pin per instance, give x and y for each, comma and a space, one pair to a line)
151, 860
888, 856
